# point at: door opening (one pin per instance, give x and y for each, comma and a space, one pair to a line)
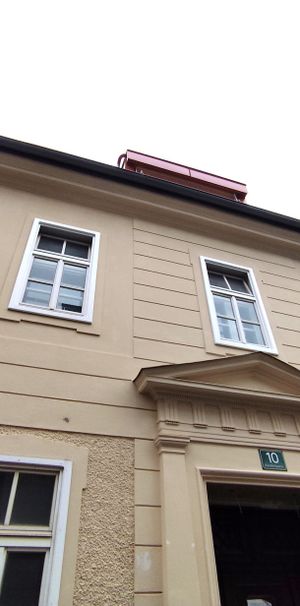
256, 533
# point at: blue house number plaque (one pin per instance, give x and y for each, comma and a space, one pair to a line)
272, 459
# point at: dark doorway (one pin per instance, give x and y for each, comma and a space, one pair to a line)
256, 532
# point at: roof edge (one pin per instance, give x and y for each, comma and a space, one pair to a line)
92, 167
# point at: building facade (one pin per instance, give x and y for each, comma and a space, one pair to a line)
149, 360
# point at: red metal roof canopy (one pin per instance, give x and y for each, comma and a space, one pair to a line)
183, 175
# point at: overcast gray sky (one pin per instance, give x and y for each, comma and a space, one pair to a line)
209, 83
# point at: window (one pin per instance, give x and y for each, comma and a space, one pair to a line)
58, 273
33, 513
236, 309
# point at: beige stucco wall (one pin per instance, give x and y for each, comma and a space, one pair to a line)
150, 305
72, 383
171, 319
104, 570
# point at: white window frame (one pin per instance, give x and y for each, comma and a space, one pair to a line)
224, 267
29, 538
16, 301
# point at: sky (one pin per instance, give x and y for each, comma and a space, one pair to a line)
213, 84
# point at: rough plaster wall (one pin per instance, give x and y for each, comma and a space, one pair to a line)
104, 574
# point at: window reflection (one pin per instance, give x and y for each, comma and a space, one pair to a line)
258, 602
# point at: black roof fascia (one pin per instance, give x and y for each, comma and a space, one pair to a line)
106, 171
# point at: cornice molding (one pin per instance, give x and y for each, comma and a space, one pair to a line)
185, 391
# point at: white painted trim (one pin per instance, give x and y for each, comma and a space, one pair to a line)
51, 464
26, 543
263, 314
59, 533
270, 346
11, 498
55, 547
220, 475
2, 561
15, 302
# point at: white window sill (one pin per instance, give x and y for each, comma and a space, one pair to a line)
51, 314
247, 346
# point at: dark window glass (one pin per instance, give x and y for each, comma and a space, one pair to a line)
22, 578
6, 478
217, 280
33, 499
52, 244
238, 284
74, 249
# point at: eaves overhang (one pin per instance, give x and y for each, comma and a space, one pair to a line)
138, 180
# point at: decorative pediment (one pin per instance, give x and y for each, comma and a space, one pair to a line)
249, 394
254, 372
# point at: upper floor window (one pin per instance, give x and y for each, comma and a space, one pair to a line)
236, 308
58, 272
33, 515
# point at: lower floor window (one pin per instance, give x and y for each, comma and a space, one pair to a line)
32, 526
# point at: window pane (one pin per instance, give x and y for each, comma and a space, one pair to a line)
217, 279
247, 311
6, 478
228, 329
253, 334
42, 269
223, 306
238, 284
52, 244
70, 300
33, 499
75, 249
22, 578
37, 294
74, 276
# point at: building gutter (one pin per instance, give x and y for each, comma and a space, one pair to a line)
106, 171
